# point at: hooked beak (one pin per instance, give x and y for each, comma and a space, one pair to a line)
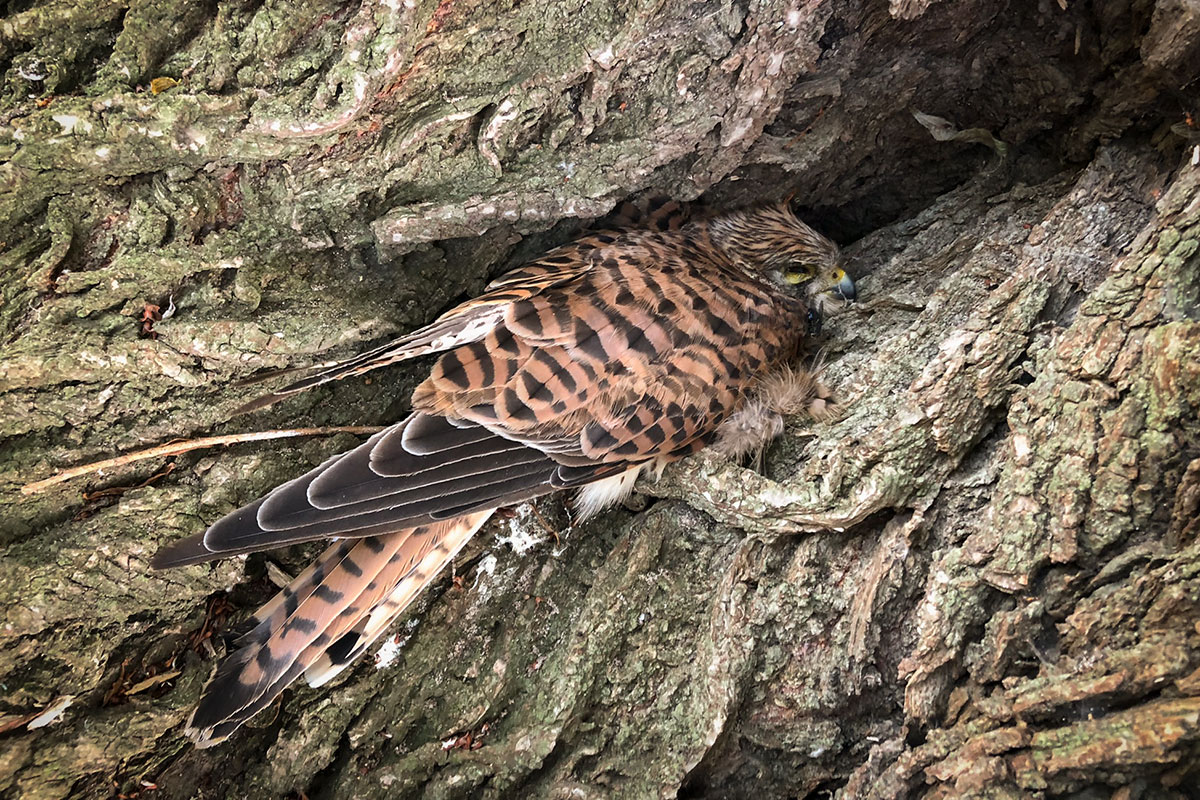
845, 287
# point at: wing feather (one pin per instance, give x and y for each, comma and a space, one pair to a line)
468, 322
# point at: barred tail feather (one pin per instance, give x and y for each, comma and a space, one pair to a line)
373, 625
309, 621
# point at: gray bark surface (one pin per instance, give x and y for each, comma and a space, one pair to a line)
982, 580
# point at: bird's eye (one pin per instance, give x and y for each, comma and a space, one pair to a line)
793, 276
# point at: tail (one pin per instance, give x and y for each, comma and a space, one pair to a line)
326, 618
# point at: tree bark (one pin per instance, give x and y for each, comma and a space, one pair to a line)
981, 580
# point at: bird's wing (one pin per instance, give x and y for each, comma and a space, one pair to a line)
627, 363
467, 322
419, 471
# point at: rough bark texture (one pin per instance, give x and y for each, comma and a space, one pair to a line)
982, 581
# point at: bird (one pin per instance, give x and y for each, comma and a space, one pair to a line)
606, 358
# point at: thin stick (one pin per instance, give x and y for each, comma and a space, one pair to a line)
187, 445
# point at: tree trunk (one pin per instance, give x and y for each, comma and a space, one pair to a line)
983, 579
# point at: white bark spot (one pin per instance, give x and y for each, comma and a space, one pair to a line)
486, 569
521, 536
68, 121
52, 714
1021, 448
681, 83
605, 58
736, 131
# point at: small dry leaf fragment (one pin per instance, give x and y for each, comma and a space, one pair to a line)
150, 315
160, 85
943, 130
277, 576
153, 681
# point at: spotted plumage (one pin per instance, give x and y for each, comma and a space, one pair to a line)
609, 356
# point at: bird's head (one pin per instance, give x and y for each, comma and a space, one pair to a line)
770, 239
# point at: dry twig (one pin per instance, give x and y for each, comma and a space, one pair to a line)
187, 445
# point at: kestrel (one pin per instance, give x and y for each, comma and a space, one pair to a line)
606, 358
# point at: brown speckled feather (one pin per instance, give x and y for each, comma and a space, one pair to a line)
620, 351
